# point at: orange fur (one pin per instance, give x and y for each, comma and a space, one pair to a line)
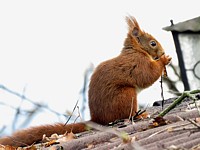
33, 135
113, 86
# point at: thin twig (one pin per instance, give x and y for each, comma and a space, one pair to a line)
7, 105
197, 107
137, 114
170, 128
162, 93
194, 123
131, 109
71, 113
158, 132
79, 114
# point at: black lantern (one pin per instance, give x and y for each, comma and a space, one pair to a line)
186, 37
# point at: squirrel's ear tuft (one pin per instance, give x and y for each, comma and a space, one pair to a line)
133, 25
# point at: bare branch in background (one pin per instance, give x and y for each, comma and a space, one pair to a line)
19, 110
29, 114
22, 96
83, 92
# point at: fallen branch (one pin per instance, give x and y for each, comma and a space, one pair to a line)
189, 94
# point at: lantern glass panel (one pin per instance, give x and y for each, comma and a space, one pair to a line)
190, 46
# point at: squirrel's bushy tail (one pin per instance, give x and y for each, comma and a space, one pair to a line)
34, 134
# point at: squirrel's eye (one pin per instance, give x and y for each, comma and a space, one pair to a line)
153, 43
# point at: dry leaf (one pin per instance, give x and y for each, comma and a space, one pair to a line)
68, 137
71, 136
2, 147
158, 121
57, 147
90, 146
170, 129
155, 124
51, 143
54, 136
143, 115
197, 120
197, 147
133, 139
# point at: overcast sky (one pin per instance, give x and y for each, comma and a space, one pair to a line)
46, 45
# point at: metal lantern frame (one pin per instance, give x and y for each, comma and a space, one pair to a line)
187, 27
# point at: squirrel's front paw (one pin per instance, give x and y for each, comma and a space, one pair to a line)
165, 59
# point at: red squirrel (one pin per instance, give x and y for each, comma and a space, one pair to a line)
113, 86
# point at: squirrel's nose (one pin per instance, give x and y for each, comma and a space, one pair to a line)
163, 53
160, 54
